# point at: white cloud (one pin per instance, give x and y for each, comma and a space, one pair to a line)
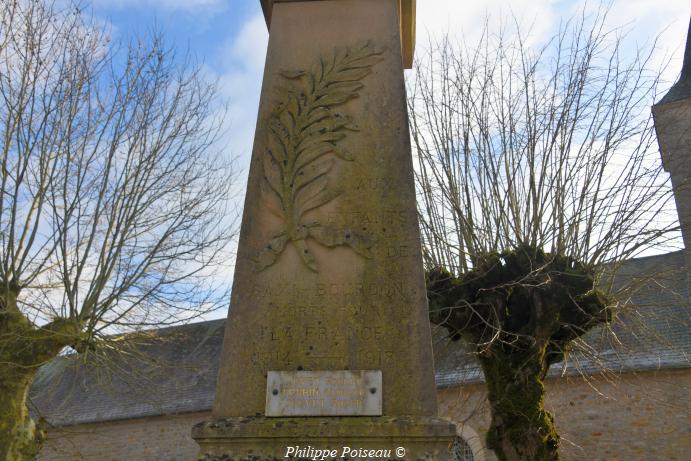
668, 21
643, 19
465, 19
240, 77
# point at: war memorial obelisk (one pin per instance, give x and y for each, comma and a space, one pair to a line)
327, 343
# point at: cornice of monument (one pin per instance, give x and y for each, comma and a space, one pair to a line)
407, 19
682, 89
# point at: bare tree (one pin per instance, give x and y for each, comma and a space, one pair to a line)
112, 206
538, 175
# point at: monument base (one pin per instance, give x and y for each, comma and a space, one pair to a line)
258, 438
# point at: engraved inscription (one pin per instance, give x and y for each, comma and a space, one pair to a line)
364, 218
375, 184
344, 293
312, 332
302, 148
365, 357
324, 393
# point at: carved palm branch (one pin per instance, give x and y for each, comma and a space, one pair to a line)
302, 148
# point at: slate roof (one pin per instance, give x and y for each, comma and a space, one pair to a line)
653, 332
176, 373
68, 392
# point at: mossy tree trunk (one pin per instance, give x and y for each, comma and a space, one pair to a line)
19, 437
520, 310
521, 428
23, 348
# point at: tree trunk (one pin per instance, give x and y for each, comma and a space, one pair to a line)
19, 437
521, 429
23, 349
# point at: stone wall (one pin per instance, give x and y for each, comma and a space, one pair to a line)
628, 418
165, 438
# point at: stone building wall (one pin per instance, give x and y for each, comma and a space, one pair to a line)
165, 438
631, 417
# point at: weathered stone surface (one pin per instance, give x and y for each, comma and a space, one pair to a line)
329, 267
238, 437
407, 25
330, 277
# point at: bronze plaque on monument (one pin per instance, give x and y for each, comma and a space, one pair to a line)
324, 393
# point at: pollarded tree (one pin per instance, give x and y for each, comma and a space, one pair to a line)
538, 174
112, 206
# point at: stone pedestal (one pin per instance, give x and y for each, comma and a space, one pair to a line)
264, 439
329, 270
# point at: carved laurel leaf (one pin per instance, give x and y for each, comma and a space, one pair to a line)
270, 253
271, 199
303, 129
343, 153
316, 115
328, 136
273, 174
289, 116
306, 255
364, 61
344, 121
322, 198
342, 87
312, 154
280, 133
276, 149
310, 190
322, 126
312, 171
291, 74
332, 123
353, 74
335, 98
330, 237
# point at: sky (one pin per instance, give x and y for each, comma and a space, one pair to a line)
229, 38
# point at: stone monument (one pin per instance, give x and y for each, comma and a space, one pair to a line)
327, 345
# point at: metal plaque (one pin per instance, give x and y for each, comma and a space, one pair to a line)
324, 393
